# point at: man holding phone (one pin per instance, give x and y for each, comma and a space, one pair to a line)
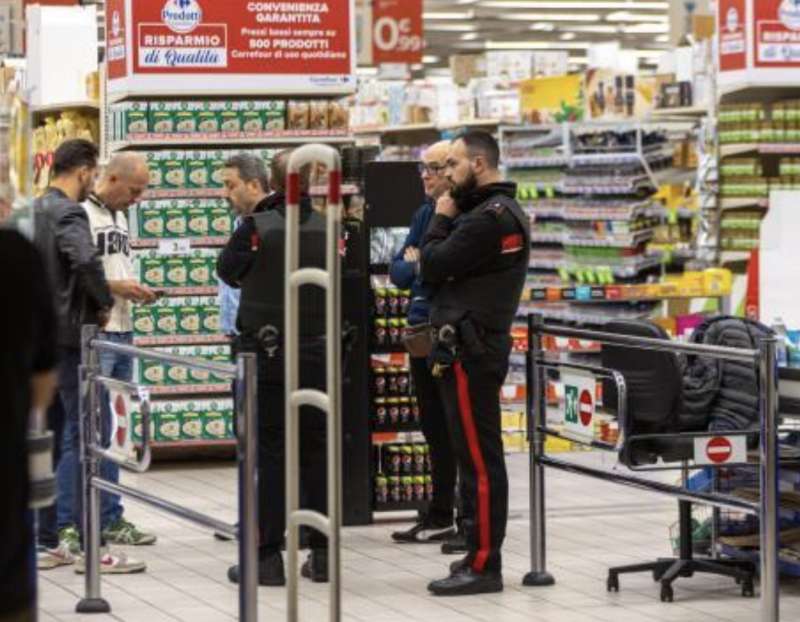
121, 185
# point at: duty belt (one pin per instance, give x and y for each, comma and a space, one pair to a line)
445, 349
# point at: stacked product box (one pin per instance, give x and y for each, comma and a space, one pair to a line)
188, 420
193, 169
404, 475
194, 269
178, 317
178, 218
251, 117
157, 373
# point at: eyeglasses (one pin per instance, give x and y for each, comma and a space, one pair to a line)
430, 169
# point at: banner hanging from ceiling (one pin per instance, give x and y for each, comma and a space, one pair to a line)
236, 46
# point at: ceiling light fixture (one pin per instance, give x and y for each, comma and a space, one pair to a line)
586, 6
567, 36
448, 15
430, 59
451, 27
628, 16
550, 17
536, 45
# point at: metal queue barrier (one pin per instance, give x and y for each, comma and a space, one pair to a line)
92, 451
330, 402
764, 358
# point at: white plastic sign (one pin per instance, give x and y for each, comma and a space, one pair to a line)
579, 404
719, 450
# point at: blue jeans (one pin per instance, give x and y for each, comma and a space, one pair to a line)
119, 367
69, 468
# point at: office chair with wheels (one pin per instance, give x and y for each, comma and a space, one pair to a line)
653, 383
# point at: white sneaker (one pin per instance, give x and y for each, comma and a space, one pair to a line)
53, 558
113, 562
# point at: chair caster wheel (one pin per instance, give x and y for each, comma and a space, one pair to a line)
748, 590
666, 593
612, 583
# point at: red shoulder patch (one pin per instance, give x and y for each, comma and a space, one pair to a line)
513, 243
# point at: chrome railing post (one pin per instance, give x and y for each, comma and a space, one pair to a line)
536, 403
88, 409
247, 450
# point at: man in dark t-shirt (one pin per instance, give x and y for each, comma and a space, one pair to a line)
27, 383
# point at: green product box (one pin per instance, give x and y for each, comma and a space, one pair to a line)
210, 314
224, 357
230, 418
252, 117
191, 424
274, 113
136, 422
176, 273
143, 322
214, 425
151, 372
174, 172
134, 118
163, 116
177, 374
168, 427
156, 172
198, 171
187, 118
151, 222
189, 320
209, 119
230, 119
220, 221
166, 321
174, 222
198, 221
216, 164
212, 268
151, 271
199, 272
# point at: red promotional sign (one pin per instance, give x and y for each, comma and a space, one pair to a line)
397, 31
719, 450
240, 45
777, 33
731, 20
585, 408
116, 39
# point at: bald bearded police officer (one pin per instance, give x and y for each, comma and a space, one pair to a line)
254, 261
478, 270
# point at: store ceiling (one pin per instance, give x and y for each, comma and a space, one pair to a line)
465, 26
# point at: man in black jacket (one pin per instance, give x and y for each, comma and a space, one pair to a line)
477, 270
253, 260
82, 296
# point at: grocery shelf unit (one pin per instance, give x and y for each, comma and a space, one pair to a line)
182, 222
588, 188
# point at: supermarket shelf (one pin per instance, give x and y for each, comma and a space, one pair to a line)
401, 506
175, 340
685, 111
612, 293
740, 202
395, 129
194, 444
541, 162
470, 123
184, 193
183, 389
766, 148
397, 427
287, 137
195, 242
210, 290
74, 105
731, 256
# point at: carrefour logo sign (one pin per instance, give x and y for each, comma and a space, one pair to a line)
789, 14
182, 16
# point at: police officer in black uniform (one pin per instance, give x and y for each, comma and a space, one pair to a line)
254, 261
478, 271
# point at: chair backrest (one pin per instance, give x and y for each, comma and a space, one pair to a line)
653, 383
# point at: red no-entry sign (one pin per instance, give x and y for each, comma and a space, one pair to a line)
719, 449
586, 408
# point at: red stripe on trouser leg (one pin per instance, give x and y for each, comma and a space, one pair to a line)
482, 477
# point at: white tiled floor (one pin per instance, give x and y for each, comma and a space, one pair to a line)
591, 525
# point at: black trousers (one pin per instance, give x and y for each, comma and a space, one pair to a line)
272, 447
470, 390
436, 429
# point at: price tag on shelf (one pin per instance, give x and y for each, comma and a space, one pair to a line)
178, 246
